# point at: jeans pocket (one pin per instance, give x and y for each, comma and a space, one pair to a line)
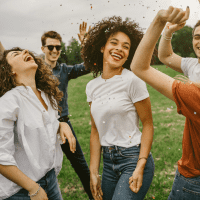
191, 194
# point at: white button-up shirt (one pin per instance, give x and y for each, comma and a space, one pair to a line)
28, 137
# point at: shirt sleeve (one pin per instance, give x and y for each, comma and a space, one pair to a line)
76, 71
186, 64
8, 117
88, 93
137, 89
186, 97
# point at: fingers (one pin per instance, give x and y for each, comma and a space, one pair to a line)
83, 26
72, 144
177, 15
133, 185
62, 137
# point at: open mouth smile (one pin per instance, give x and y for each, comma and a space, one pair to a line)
116, 56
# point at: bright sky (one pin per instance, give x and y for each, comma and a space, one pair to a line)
22, 22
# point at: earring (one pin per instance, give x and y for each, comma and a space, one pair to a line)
101, 50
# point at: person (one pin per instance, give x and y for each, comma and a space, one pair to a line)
117, 99
186, 95
51, 46
30, 152
188, 66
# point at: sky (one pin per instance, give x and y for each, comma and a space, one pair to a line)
22, 22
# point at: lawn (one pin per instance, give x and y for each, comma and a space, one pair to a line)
166, 148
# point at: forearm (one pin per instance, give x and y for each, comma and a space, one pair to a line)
146, 47
146, 143
165, 48
17, 176
95, 151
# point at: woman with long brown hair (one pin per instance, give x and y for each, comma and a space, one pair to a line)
30, 152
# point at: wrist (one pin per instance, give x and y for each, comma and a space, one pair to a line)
33, 188
141, 163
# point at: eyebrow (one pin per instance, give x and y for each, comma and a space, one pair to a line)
197, 35
13, 52
118, 40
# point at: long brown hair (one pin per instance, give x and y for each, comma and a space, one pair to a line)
44, 78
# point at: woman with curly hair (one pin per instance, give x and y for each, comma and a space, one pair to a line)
30, 152
118, 99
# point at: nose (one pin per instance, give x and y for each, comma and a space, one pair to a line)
25, 51
118, 47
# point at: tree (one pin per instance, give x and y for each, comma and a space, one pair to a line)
70, 54
182, 42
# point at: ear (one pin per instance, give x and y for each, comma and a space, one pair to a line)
42, 48
102, 49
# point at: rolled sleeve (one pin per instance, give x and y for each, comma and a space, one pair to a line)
8, 116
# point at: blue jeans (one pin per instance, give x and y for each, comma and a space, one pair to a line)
185, 188
78, 162
49, 183
118, 166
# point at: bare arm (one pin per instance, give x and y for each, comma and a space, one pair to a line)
17, 176
141, 67
95, 158
144, 111
165, 51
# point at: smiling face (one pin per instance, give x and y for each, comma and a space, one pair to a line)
116, 50
51, 56
196, 42
21, 61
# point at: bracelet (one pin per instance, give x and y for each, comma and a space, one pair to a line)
32, 195
167, 38
142, 158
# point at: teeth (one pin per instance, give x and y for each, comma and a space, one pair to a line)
116, 55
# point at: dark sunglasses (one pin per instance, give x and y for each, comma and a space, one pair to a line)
51, 47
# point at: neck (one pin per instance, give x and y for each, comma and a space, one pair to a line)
51, 63
109, 72
28, 80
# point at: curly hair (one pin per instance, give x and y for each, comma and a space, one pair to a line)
98, 36
44, 78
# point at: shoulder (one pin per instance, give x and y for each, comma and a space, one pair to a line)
131, 77
93, 81
189, 61
13, 94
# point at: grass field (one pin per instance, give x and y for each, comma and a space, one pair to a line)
166, 148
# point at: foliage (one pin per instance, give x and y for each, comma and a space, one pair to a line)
71, 54
166, 148
182, 42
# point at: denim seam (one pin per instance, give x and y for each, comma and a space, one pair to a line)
187, 180
191, 192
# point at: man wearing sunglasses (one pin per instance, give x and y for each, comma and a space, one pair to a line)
51, 46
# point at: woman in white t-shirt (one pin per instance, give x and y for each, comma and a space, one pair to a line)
30, 152
118, 99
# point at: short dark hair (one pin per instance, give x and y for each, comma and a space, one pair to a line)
195, 26
50, 34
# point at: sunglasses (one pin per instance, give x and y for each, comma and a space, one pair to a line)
51, 47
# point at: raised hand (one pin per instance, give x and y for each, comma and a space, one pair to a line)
174, 15
83, 31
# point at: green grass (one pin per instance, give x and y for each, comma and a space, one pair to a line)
166, 148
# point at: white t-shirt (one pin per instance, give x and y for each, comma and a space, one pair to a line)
28, 137
191, 68
113, 108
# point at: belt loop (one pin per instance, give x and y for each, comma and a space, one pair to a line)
116, 147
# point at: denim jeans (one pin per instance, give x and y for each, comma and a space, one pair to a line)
49, 183
185, 188
78, 162
118, 166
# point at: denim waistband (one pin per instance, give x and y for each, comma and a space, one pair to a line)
49, 173
117, 148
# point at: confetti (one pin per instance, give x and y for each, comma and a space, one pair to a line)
195, 113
